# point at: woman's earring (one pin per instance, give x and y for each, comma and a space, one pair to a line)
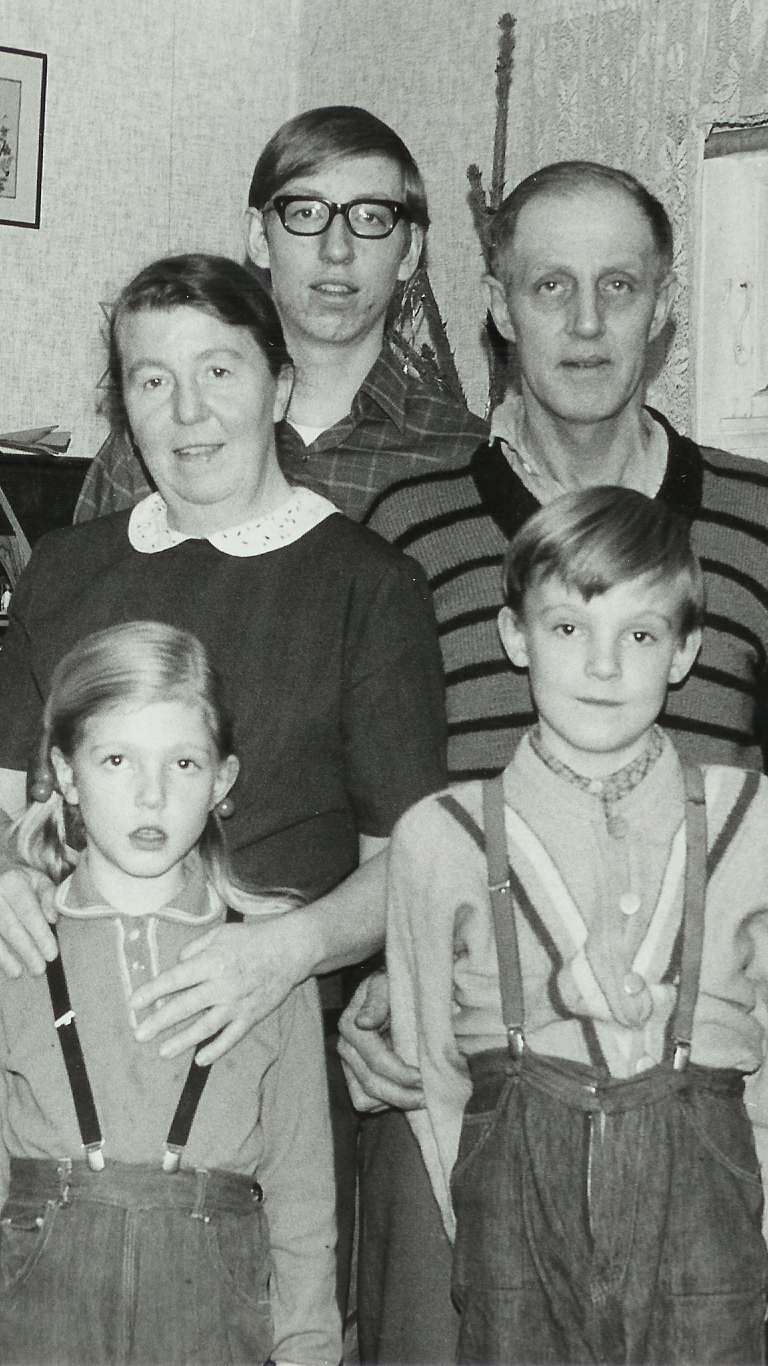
225, 808
42, 788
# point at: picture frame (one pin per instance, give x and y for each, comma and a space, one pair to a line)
23, 78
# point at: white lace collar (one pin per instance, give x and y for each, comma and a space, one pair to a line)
149, 532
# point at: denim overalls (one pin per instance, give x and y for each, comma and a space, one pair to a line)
601, 1219
108, 1263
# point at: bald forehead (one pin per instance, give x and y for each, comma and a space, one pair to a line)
590, 216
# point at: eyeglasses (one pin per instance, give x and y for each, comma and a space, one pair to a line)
364, 217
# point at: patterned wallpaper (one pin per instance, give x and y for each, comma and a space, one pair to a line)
156, 112
635, 83
157, 109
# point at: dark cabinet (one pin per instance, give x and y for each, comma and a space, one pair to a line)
42, 491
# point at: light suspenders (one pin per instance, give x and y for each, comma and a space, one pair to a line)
693, 915
80, 1085
500, 891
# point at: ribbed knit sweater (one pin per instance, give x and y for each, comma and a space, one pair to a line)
457, 524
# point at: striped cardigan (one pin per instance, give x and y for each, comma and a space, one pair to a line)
457, 524
579, 944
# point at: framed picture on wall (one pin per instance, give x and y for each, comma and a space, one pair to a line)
22, 119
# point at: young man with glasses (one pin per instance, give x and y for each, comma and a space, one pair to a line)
337, 215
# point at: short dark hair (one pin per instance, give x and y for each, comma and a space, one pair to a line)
600, 537
213, 284
571, 177
318, 136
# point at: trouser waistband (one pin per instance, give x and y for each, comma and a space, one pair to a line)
584, 1088
132, 1186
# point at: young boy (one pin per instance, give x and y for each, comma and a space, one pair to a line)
578, 953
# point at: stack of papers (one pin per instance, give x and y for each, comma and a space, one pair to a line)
36, 441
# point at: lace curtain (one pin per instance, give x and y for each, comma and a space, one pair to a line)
638, 83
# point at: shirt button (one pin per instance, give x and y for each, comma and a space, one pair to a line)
617, 827
133, 935
629, 903
633, 983
137, 967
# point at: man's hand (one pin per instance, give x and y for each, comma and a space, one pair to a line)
377, 1077
227, 980
26, 910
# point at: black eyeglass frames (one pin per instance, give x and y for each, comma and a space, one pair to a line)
306, 217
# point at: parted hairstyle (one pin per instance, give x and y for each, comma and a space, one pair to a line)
124, 667
215, 285
599, 537
320, 136
573, 177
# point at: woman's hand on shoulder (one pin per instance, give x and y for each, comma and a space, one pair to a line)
224, 983
27, 911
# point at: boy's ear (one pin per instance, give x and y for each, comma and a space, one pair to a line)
228, 771
256, 245
513, 637
684, 656
412, 253
65, 778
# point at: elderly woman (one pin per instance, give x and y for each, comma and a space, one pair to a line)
321, 632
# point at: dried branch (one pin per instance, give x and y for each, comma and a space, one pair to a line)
479, 209
504, 68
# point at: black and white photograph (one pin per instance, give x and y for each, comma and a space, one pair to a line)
384, 683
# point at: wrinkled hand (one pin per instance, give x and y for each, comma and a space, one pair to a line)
26, 911
376, 1076
227, 980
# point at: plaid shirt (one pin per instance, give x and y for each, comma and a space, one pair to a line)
398, 426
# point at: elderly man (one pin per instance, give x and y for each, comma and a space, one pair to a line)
582, 285
338, 215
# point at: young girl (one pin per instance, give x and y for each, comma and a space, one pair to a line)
135, 1224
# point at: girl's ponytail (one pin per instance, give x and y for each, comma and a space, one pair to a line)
38, 838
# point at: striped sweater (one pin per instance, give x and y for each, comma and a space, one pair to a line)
597, 916
457, 524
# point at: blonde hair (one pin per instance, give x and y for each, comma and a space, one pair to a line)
133, 665
601, 536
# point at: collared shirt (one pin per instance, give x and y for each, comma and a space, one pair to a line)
614, 786
264, 1111
643, 471
598, 923
398, 426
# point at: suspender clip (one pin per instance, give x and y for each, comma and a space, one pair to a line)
516, 1041
681, 1056
500, 887
65, 1019
172, 1157
94, 1153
